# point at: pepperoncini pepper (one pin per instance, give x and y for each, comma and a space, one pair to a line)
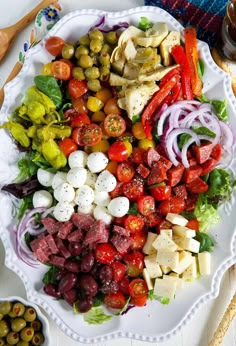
52, 153
18, 132
46, 132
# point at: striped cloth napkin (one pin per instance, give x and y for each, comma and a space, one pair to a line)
205, 15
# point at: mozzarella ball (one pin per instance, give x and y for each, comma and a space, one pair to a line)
91, 179
58, 179
101, 213
84, 195
63, 211
119, 206
44, 177
105, 182
97, 162
77, 176
101, 198
64, 193
85, 209
42, 198
77, 159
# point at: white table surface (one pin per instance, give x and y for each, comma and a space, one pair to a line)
199, 330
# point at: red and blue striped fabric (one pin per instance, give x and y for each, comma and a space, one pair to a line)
205, 15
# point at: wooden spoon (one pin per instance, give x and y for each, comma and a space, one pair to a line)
8, 34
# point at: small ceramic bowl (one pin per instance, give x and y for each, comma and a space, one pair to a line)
40, 316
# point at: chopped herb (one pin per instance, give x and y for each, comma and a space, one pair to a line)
145, 24
133, 209
136, 118
202, 130
183, 139
49, 277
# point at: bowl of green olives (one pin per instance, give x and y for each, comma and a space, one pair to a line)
22, 323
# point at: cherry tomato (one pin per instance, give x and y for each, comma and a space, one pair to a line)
119, 221
118, 152
118, 190
87, 135
216, 152
164, 224
67, 146
134, 263
140, 301
111, 106
104, 94
146, 205
138, 288
124, 285
80, 119
134, 223
138, 155
138, 240
80, 105
125, 172
161, 193
105, 253
174, 205
115, 300
54, 45
77, 87
152, 219
114, 125
112, 165
208, 166
118, 270
70, 113
193, 224
133, 189
61, 70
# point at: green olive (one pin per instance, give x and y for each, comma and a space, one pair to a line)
22, 343
18, 309
94, 85
30, 314
27, 334
92, 72
106, 48
94, 56
12, 338
96, 35
95, 45
84, 40
78, 73
104, 59
1, 316
67, 51
18, 324
85, 61
111, 37
4, 328
38, 339
81, 50
104, 73
5, 307
2, 342
36, 325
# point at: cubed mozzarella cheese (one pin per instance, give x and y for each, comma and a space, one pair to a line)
147, 279
64, 193
45, 177
63, 211
84, 195
58, 179
119, 206
148, 249
77, 176
204, 261
42, 198
164, 242
176, 219
189, 244
183, 231
165, 288
152, 266
190, 273
102, 198
185, 259
167, 231
102, 213
78, 159
167, 258
179, 282
97, 161
165, 269
106, 181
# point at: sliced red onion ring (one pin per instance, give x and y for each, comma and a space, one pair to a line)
227, 135
102, 22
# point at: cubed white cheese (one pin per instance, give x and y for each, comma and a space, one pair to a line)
167, 258
165, 288
163, 242
189, 244
185, 259
183, 231
177, 241
190, 273
165, 269
204, 261
167, 232
176, 219
147, 279
179, 282
148, 249
152, 266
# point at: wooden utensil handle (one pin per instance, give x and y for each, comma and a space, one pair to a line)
224, 323
23, 22
16, 69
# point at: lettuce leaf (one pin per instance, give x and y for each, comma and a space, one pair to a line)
162, 300
96, 316
205, 213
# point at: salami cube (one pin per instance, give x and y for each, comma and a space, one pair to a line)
180, 191
50, 224
41, 255
82, 221
121, 230
57, 261
51, 244
175, 174
62, 248
158, 173
75, 235
97, 233
151, 156
142, 170
121, 243
65, 229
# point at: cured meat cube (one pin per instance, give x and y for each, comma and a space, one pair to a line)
97, 233
51, 244
75, 235
41, 255
51, 225
158, 173
121, 242
57, 261
65, 229
82, 221
121, 230
34, 244
62, 248
175, 174
180, 191
151, 156
142, 170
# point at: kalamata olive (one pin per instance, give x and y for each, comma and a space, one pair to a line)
71, 296
73, 266
105, 274
85, 303
59, 274
88, 285
110, 287
87, 262
75, 248
67, 282
52, 291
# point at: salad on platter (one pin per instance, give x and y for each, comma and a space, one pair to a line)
123, 167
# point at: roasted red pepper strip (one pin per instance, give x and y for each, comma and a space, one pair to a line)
181, 59
192, 57
171, 73
173, 94
156, 101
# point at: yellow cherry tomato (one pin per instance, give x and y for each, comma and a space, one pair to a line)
98, 117
138, 131
47, 69
146, 143
128, 146
104, 94
112, 167
94, 104
102, 146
